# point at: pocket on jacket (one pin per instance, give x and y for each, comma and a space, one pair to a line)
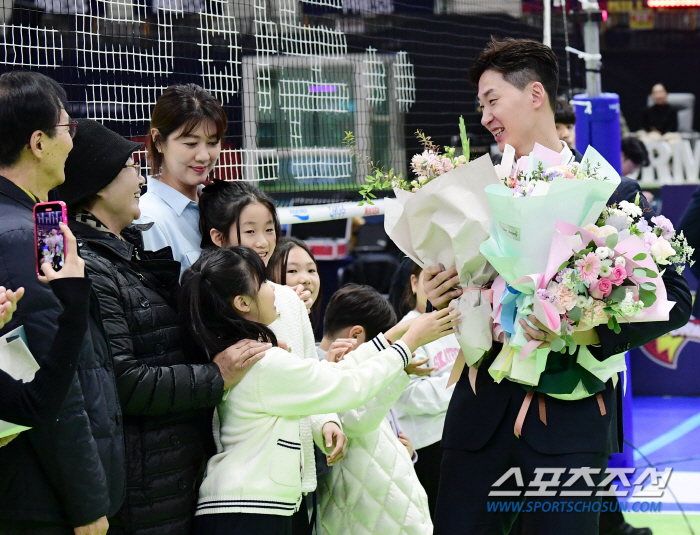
286, 464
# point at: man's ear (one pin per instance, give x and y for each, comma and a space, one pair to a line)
242, 303
539, 95
35, 143
217, 237
355, 331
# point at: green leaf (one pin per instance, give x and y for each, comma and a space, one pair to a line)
640, 273
647, 297
572, 348
614, 325
464, 138
557, 345
640, 256
651, 273
575, 314
618, 294
648, 286
563, 266
611, 241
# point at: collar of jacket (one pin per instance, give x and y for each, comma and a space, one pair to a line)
12, 191
124, 248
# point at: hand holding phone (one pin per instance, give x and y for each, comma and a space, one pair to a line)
73, 265
50, 247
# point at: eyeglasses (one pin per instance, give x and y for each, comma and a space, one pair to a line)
136, 166
72, 128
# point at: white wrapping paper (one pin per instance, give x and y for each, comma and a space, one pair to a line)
445, 222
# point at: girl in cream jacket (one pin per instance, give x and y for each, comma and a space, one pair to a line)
254, 485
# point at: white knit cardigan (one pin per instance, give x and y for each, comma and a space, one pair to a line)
294, 328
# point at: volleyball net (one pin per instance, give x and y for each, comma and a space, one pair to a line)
292, 75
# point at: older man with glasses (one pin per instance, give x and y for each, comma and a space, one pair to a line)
66, 477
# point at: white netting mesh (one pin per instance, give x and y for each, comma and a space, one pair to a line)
404, 81
374, 77
43, 48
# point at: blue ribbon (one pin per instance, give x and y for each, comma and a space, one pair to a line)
509, 310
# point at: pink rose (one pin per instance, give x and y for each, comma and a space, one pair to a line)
618, 275
600, 289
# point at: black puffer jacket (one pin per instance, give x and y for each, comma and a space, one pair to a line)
71, 471
166, 396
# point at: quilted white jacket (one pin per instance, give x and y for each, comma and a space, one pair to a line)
375, 489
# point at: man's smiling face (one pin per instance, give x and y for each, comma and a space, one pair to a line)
507, 111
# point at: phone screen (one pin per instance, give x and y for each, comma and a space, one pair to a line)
49, 238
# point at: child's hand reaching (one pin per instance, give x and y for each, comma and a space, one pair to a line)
305, 296
431, 326
407, 442
340, 348
415, 369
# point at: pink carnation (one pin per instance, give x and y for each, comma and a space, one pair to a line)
589, 268
447, 165
596, 314
600, 289
618, 275
564, 299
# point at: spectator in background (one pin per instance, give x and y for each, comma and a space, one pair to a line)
634, 156
660, 118
690, 225
167, 394
565, 119
66, 477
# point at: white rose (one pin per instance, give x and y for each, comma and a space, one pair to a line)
607, 230
594, 229
661, 250
620, 261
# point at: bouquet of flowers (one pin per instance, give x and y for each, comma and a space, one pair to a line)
597, 273
441, 218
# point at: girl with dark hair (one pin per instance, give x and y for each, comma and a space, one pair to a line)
254, 484
184, 144
422, 407
238, 213
293, 264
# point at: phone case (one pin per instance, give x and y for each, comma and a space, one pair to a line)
64, 218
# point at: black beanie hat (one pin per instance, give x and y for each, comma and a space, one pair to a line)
98, 156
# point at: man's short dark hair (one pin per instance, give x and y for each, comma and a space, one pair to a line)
563, 112
635, 150
356, 304
29, 101
520, 61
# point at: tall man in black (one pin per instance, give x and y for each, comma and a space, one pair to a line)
517, 82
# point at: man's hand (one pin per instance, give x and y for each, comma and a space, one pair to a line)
235, 361
4, 441
73, 265
340, 348
8, 304
305, 296
440, 285
98, 527
415, 369
407, 442
332, 435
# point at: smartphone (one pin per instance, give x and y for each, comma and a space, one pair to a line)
50, 246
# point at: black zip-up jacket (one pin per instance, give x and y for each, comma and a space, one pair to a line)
71, 471
166, 395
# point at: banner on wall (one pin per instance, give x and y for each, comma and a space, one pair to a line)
669, 365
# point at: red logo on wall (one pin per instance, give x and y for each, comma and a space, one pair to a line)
666, 350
